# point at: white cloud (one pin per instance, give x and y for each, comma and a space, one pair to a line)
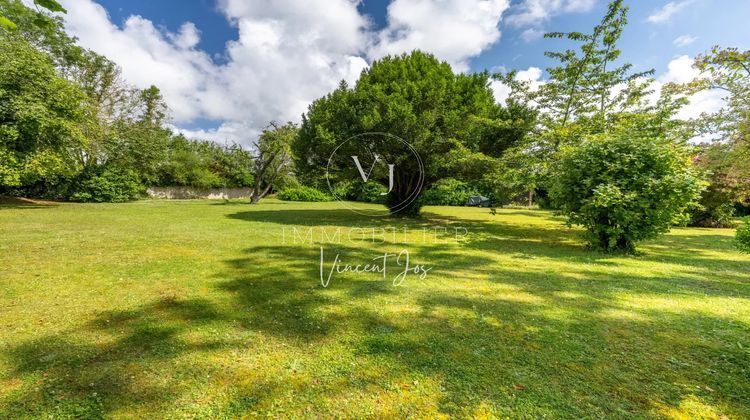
227, 133
188, 37
453, 30
667, 11
288, 53
684, 40
533, 75
681, 70
148, 56
532, 34
536, 12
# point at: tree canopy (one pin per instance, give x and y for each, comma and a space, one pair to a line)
415, 97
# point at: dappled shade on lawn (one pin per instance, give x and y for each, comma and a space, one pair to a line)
216, 316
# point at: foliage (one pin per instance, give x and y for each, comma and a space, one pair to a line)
507, 127
717, 202
515, 175
743, 236
41, 28
40, 118
110, 185
67, 119
303, 193
204, 165
273, 164
728, 69
366, 192
414, 97
590, 91
624, 189
581, 90
715, 209
448, 192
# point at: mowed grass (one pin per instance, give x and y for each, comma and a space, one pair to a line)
212, 309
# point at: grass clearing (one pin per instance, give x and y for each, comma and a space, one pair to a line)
210, 308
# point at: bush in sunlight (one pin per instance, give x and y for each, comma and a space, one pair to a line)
624, 188
303, 194
743, 236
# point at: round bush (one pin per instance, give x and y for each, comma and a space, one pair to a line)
624, 189
743, 236
110, 185
303, 194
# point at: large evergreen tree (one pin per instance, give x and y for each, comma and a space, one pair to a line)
414, 97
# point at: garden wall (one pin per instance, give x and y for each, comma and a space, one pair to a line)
191, 192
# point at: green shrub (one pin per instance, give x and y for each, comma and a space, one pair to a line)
448, 192
111, 185
743, 236
303, 194
715, 208
714, 216
368, 192
624, 189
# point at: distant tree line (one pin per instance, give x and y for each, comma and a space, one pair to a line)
72, 128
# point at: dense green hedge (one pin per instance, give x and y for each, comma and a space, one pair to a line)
449, 192
369, 192
743, 236
112, 185
303, 194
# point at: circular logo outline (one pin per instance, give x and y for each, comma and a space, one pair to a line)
400, 206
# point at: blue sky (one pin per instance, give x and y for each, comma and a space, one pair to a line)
226, 52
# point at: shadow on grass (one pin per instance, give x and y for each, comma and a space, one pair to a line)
25, 203
497, 235
559, 344
556, 346
128, 365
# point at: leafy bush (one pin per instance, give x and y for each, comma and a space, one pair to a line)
716, 206
303, 194
715, 209
743, 236
624, 189
112, 185
448, 192
368, 192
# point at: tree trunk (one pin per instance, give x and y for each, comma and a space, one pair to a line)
400, 193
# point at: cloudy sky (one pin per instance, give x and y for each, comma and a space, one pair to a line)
228, 67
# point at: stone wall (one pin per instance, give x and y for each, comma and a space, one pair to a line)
182, 193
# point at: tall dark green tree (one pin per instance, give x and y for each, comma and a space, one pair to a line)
415, 97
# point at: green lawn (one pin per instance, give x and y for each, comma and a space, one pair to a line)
210, 309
